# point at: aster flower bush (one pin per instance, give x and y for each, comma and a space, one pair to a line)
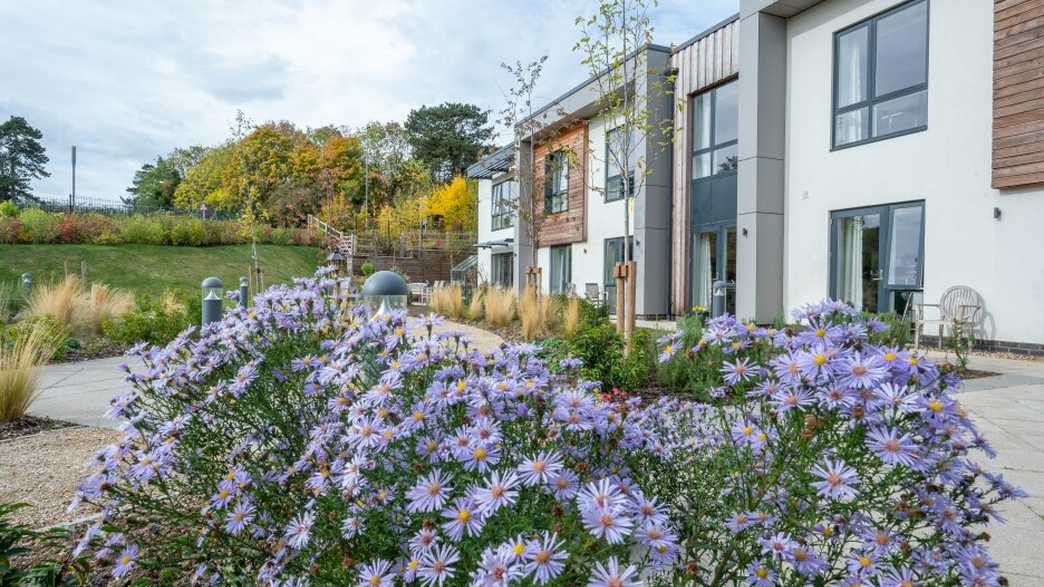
302, 441
822, 458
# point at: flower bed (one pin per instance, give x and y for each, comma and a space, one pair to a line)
295, 442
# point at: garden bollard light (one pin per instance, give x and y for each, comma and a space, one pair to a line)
718, 303
385, 289
212, 302
27, 282
244, 291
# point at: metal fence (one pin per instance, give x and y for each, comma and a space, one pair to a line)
110, 207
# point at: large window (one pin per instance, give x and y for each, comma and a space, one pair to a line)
614, 156
715, 122
561, 269
503, 205
503, 269
881, 76
613, 254
556, 182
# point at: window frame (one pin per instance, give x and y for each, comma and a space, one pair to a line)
713, 146
568, 267
496, 261
553, 192
608, 177
500, 211
870, 23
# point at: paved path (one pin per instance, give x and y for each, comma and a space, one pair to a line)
80, 392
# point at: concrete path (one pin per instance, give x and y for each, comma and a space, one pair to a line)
80, 392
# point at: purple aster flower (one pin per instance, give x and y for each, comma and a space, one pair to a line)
862, 372
862, 564
479, 457
601, 495
740, 371
792, 398
541, 468
739, 522
125, 561
815, 364
496, 569
376, 574
892, 448
902, 577
837, 480
611, 575
299, 531
544, 559
464, 519
240, 517
777, 546
611, 524
498, 492
564, 485
423, 540
760, 575
437, 565
430, 493
806, 561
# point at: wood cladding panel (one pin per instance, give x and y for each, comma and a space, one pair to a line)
1018, 93
704, 63
569, 226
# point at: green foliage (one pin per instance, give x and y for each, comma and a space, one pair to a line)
22, 158
18, 539
448, 137
600, 348
8, 209
154, 184
188, 231
153, 321
52, 328
144, 230
690, 375
634, 371
367, 269
38, 226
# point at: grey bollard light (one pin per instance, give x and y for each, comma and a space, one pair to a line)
27, 282
212, 302
244, 291
718, 301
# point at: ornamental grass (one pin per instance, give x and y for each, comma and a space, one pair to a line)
448, 301
20, 361
294, 444
498, 306
571, 316
102, 303
475, 306
59, 300
534, 312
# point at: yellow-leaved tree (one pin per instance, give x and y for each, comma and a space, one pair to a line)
455, 204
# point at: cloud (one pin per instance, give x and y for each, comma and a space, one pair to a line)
127, 81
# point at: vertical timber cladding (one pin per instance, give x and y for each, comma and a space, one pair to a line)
570, 226
705, 61
1018, 93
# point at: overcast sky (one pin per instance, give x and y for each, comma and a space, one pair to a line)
127, 81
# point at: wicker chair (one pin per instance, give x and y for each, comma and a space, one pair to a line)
959, 305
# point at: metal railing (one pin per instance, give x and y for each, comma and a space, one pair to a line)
118, 207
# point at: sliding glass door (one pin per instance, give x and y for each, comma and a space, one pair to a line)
614, 253
877, 255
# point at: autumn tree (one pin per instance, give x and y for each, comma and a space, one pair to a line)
448, 137
22, 158
154, 185
455, 204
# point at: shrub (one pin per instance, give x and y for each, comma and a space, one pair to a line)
635, 370
367, 269
55, 333
498, 306
21, 354
601, 349
187, 231
8, 209
18, 540
38, 226
332, 468
7, 293
10, 230
142, 230
152, 321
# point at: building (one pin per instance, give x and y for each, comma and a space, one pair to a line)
575, 232
875, 151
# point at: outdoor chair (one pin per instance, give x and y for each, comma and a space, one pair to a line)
960, 306
591, 294
420, 293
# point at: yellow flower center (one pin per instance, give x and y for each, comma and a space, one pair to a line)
819, 360
464, 515
479, 453
761, 572
747, 431
519, 548
935, 406
864, 561
890, 356
820, 332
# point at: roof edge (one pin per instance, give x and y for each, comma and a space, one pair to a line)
707, 32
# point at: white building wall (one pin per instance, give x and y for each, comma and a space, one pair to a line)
948, 166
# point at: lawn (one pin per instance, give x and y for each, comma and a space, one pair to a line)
152, 269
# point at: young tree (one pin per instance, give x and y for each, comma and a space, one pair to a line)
22, 158
517, 116
448, 137
610, 45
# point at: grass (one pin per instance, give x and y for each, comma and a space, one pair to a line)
534, 311
19, 370
59, 299
152, 269
475, 306
571, 316
448, 301
103, 303
498, 306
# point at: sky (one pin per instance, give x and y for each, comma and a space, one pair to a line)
126, 81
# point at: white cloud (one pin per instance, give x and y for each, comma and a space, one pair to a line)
126, 81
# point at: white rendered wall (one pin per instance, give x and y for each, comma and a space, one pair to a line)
486, 232
948, 166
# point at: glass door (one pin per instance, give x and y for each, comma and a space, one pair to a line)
877, 255
714, 259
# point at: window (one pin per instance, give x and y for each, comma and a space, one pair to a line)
561, 269
503, 269
613, 178
881, 76
503, 205
556, 183
715, 123
614, 253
